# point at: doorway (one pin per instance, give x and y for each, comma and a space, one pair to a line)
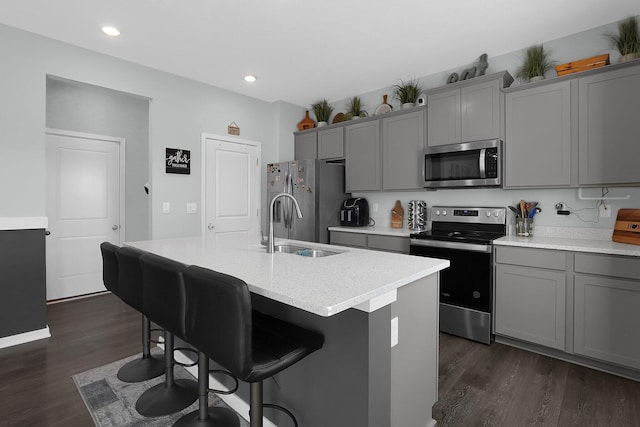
85, 206
231, 189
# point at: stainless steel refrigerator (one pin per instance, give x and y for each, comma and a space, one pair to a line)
318, 187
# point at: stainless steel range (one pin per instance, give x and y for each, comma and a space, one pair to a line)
464, 236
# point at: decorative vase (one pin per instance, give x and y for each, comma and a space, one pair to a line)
320, 124
408, 105
536, 79
306, 123
629, 57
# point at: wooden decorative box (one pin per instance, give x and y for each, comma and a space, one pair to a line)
582, 65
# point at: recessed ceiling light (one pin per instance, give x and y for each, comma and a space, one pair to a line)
111, 31
250, 78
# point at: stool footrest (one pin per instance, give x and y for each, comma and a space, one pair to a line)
229, 374
281, 409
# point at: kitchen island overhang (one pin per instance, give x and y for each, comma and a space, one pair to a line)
378, 312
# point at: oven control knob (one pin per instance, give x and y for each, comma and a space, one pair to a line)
496, 213
437, 213
444, 213
488, 214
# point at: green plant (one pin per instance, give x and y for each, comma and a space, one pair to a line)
322, 110
628, 38
536, 63
407, 92
355, 108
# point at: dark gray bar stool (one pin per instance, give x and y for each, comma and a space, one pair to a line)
164, 304
220, 323
130, 291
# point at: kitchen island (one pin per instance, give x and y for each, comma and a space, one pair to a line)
378, 312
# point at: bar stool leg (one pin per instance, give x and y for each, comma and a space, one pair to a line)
255, 410
148, 366
172, 395
207, 416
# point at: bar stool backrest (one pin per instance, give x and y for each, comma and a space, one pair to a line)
163, 292
130, 277
219, 318
110, 266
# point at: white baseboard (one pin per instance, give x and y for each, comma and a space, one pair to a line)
24, 337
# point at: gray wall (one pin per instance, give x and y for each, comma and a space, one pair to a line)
91, 109
180, 111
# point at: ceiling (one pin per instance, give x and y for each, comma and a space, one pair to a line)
303, 51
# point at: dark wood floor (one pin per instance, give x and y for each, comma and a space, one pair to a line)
36, 388
498, 385
480, 385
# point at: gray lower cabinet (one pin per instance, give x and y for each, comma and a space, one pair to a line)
530, 302
305, 145
403, 139
371, 241
23, 286
538, 136
609, 103
362, 156
331, 143
606, 314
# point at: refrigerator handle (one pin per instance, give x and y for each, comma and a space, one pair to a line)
288, 205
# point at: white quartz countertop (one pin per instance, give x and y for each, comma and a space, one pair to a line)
324, 286
385, 231
566, 244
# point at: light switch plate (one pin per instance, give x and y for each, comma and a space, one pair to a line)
166, 207
192, 208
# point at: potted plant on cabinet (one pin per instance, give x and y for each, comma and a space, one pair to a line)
536, 64
355, 108
627, 41
407, 93
323, 111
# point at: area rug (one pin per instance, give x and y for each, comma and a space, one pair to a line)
112, 403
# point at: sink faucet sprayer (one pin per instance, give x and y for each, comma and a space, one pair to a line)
270, 242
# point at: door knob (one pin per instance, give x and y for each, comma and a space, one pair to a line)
211, 226
115, 227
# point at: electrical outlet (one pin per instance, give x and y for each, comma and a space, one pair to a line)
604, 210
394, 332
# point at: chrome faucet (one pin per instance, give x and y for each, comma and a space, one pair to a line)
270, 242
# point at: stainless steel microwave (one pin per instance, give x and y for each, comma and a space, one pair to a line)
468, 164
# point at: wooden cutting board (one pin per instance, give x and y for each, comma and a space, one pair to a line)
627, 228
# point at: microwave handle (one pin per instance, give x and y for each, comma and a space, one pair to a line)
483, 172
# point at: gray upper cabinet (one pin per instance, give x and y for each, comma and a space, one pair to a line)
362, 156
403, 139
443, 116
609, 142
480, 111
469, 110
331, 143
538, 136
305, 145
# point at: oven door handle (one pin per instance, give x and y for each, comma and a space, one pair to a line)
452, 245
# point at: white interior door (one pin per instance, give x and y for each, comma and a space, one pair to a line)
231, 192
83, 206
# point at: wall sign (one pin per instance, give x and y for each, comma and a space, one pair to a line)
233, 129
178, 160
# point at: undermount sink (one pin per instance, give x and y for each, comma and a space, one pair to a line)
315, 253
302, 251
288, 249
